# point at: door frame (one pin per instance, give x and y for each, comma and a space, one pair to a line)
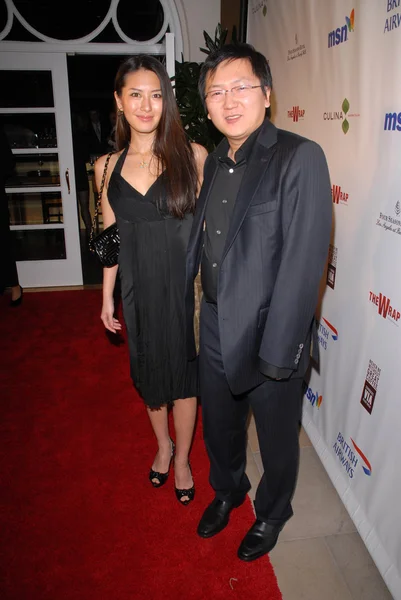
50, 272
33, 273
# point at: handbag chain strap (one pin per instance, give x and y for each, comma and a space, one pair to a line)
99, 200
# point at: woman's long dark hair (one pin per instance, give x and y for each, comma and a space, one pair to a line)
171, 146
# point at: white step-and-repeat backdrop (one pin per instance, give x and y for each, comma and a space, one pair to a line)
336, 68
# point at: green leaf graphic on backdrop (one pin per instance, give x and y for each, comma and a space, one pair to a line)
345, 105
264, 10
345, 126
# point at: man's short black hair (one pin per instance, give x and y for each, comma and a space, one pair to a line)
259, 64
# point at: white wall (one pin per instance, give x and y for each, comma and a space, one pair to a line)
197, 16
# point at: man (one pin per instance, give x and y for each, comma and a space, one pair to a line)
261, 233
97, 134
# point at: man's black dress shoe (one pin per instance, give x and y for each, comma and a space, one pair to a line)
216, 517
260, 539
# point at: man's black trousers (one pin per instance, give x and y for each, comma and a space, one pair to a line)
276, 406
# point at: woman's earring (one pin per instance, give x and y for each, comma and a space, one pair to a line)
120, 112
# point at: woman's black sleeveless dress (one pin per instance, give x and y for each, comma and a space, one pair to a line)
152, 273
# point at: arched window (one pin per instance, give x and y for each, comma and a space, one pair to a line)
90, 21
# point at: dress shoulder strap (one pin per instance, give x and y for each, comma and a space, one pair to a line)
120, 161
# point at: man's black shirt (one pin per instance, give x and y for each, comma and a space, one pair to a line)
219, 209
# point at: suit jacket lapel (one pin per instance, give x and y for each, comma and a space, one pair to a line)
258, 162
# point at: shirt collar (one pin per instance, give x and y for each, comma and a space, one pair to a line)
242, 154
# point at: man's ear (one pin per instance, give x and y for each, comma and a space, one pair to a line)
267, 92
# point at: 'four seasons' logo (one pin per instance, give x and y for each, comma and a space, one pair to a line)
297, 51
390, 223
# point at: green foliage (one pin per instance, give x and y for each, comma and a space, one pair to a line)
196, 124
220, 38
193, 115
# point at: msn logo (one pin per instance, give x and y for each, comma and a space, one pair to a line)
340, 35
392, 121
338, 195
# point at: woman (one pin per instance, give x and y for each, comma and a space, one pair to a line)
150, 190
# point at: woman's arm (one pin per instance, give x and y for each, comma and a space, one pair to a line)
200, 154
109, 273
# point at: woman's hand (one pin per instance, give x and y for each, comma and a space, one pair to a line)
107, 316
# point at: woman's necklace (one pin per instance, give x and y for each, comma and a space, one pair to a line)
143, 163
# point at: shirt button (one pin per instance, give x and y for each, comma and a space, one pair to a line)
218, 232
224, 201
214, 265
231, 170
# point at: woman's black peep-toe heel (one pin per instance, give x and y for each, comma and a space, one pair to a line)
161, 477
188, 494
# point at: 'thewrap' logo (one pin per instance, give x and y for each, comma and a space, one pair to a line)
296, 113
338, 195
340, 34
385, 307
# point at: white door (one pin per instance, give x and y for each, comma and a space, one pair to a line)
35, 110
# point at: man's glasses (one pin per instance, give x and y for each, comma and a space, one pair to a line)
239, 91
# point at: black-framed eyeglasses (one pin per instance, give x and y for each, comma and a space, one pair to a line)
238, 91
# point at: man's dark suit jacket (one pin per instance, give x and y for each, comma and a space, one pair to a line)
273, 260
95, 146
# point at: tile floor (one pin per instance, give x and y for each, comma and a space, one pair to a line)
320, 555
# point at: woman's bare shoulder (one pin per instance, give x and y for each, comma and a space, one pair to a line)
101, 162
200, 152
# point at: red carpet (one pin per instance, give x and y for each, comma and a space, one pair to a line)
78, 517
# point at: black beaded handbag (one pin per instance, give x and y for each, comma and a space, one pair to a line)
106, 245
